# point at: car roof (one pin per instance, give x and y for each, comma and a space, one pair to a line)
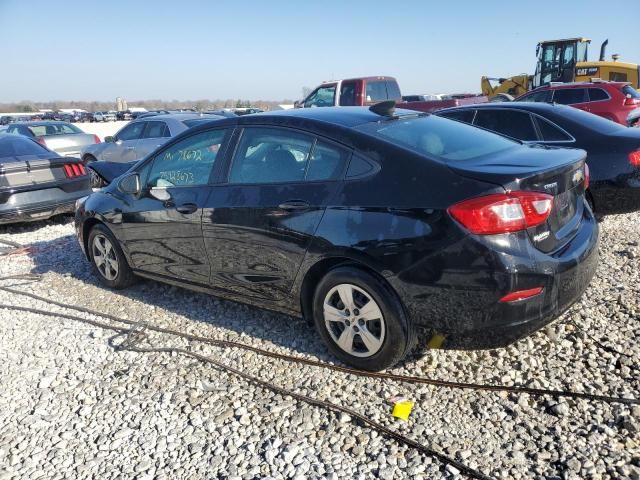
530, 106
344, 116
38, 123
178, 116
602, 83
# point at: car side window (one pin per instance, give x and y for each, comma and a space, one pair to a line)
376, 90
542, 96
570, 96
156, 130
322, 97
348, 94
465, 116
326, 162
551, 132
597, 94
511, 123
393, 90
271, 155
132, 131
188, 162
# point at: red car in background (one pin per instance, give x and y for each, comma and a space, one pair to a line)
611, 100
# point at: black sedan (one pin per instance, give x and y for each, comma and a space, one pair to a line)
613, 151
383, 227
36, 183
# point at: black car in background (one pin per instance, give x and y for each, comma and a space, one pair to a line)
383, 226
36, 183
613, 151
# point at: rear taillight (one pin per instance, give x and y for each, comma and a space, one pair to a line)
41, 141
630, 102
73, 170
587, 176
521, 295
634, 158
503, 212
96, 138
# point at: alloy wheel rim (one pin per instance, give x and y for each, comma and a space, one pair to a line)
104, 257
354, 320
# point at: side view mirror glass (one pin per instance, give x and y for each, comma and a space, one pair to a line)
130, 184
109, 139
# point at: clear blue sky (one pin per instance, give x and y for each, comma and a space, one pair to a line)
188, 49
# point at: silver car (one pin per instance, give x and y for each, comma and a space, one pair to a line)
140, 137
63, 138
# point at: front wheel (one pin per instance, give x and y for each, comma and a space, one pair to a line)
361, 319
107, 259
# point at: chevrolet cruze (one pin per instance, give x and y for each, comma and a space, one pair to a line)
385, 228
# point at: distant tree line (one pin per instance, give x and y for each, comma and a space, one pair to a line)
27, 106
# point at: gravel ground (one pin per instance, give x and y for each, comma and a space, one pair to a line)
72, 407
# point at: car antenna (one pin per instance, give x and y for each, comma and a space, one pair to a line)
386, 108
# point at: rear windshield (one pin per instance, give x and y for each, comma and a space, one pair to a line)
46, 130
629, 90
589, 120
439, 137
17, 145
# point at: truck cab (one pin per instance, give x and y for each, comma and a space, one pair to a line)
351, 92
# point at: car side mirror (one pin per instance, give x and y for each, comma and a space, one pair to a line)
130, 184
109, 139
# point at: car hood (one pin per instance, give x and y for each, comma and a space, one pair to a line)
109, 171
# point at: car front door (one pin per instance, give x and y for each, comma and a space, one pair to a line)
155, 134
162, 227
258, 225
123, 146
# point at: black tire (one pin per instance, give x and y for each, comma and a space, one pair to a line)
399, 337
124, 276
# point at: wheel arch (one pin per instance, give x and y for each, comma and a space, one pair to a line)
319, 269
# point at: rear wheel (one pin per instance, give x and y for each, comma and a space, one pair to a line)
361, 320
107, 259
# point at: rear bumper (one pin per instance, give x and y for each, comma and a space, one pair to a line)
32, 205
461, 308
34, 213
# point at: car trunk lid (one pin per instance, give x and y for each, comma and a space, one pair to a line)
67, 145
554, 171
36, 170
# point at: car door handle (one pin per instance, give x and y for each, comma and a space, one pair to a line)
187, 208
130, 148
294, 205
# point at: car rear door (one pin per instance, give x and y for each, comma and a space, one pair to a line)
123, 149
257, 226
162, 228
155, 134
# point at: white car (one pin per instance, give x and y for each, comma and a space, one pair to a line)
104, 117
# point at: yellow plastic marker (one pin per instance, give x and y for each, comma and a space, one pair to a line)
436, 341
402, 409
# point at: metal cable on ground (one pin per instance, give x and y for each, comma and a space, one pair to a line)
136, 334
316, 363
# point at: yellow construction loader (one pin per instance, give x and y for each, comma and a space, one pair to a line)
563, 61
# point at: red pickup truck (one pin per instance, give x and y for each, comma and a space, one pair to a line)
365, 91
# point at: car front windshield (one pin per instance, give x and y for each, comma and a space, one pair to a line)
439, 137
